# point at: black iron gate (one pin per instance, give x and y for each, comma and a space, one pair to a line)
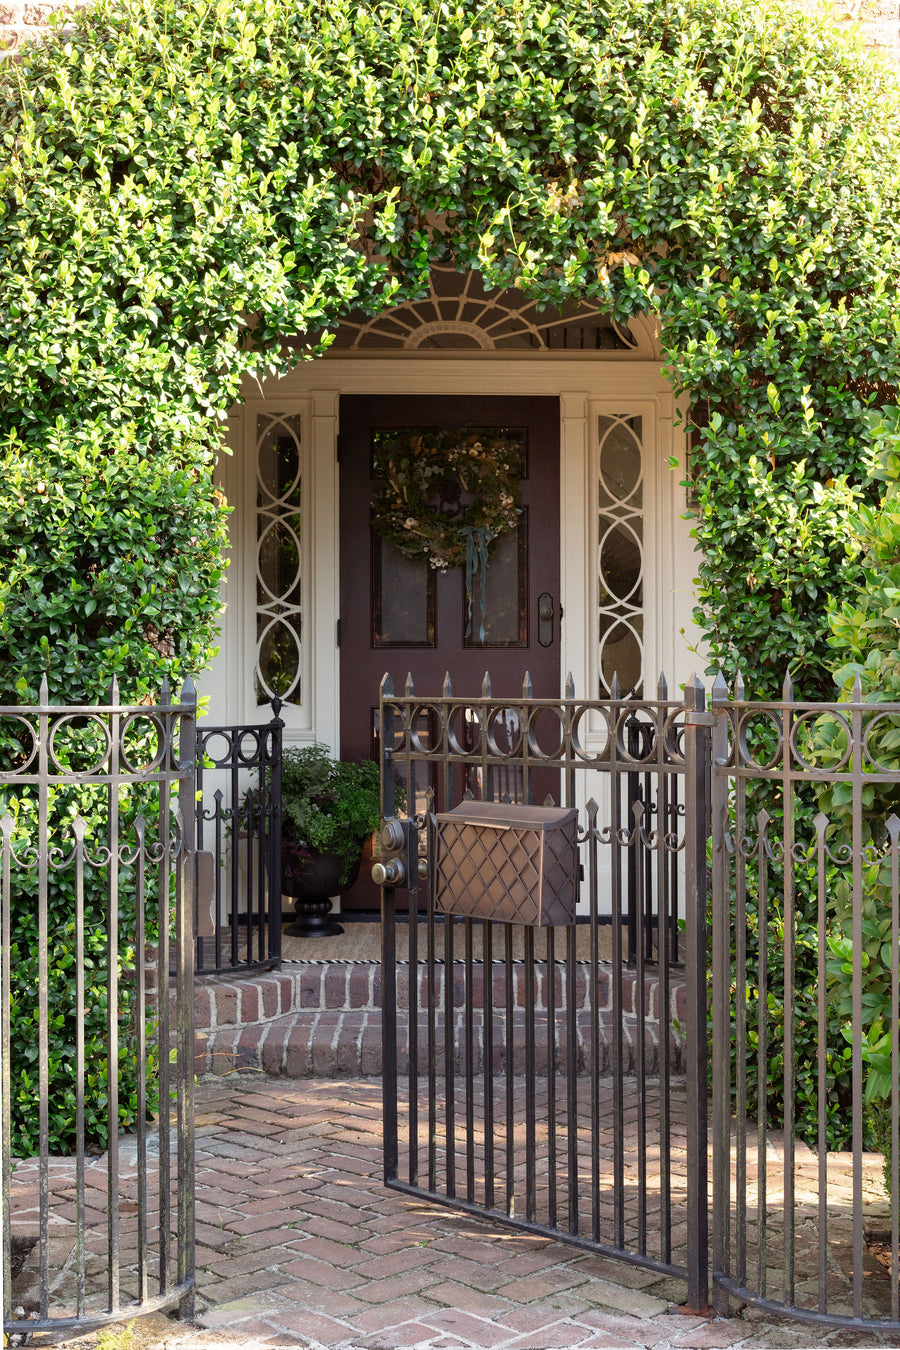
555, 1080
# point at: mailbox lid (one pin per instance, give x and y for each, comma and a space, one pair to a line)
505, 815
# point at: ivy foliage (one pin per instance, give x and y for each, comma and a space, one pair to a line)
191, 190
109, 558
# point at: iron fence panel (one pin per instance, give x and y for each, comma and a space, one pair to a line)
239, 824
802, 1227
97, 853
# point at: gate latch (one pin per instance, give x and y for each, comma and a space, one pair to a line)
399, 841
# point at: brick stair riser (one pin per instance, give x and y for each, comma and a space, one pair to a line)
347, 1044
357, 987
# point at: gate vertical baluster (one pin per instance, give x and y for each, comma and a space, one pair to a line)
616, 860
550, 1008
449, 1057
510, 1095
164, 823
763, 821
571, 1078
553, 1057
6, 860
79, 829
821, 825
487, 995
856, 772
893, 828
721, 963
412, 924
185, 908
388, 945
697, 768
470, 1058
449, 1016
431, 994
275, 745
638, 1000
412, 983
664, 1012
140, 1014
594, 1006
112, 1010
530, 1102
241, 810
790, 1054
218, 818
43, 1002
633, 794
487, 955
739, 863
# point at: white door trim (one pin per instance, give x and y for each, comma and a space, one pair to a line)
586, 388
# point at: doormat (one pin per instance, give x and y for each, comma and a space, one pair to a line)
361, 941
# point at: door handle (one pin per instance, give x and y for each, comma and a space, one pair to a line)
545, 620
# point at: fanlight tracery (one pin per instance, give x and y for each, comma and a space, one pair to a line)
460, 315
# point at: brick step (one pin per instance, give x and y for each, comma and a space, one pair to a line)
310, 987
347, 1044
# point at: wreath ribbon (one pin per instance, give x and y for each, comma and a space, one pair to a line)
477, 545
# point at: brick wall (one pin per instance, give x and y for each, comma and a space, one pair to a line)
21, 20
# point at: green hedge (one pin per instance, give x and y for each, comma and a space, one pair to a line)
192, 191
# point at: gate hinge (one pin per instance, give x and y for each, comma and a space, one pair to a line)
700, 719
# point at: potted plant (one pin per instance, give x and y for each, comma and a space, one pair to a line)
329, 808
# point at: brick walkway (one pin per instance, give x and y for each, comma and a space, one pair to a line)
299, 1244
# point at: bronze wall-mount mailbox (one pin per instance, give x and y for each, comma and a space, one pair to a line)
514, 864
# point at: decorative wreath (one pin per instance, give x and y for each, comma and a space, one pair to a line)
447, 495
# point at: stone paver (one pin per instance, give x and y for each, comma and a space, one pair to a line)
302, 1245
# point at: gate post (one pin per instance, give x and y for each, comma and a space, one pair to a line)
185, 904
721, 1020
696, 831
389, 947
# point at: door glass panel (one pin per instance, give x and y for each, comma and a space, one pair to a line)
403, 599
620, 653
620, 546
501, 608
279, 560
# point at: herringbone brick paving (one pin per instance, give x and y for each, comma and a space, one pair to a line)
299, 1244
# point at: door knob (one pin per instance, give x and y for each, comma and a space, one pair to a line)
545, 619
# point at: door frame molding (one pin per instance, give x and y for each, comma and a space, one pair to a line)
585, 388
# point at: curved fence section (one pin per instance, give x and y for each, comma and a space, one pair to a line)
238, 812
806, 935
97, 894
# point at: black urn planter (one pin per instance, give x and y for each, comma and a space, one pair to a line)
311, 879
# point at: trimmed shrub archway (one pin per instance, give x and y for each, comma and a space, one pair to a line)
191, 187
